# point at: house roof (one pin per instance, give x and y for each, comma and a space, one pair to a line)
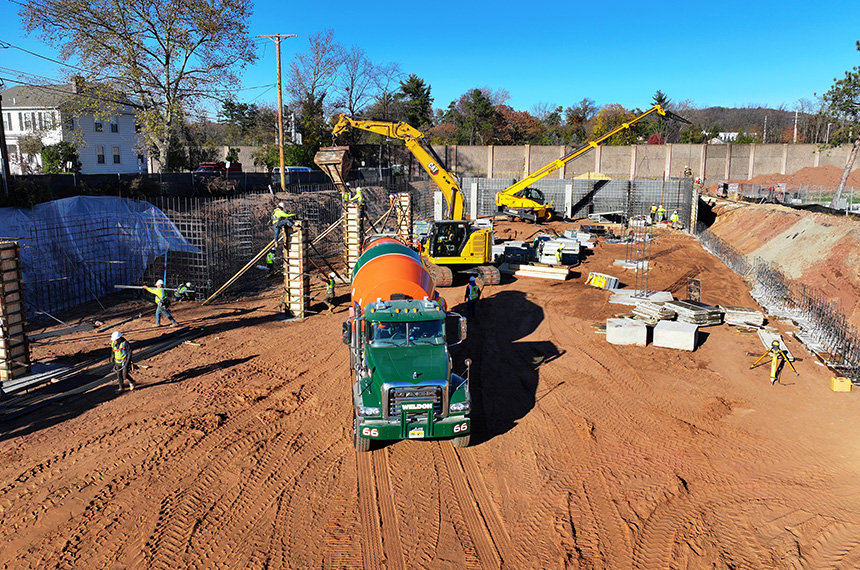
36, 96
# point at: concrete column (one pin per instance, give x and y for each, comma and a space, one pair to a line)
438, 205
473, 201
14, 349
489, 163
296, 281
784, 158
527, 160
704, 161
353, 234
597, 154
633, 153
568, 199
668, 172
727, 176
817, 159
403, 203
752, 161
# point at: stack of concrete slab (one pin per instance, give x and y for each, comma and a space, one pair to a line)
652, 313
547, 250
696, 313
584, 238
742, 316
626, 331
675, 334
560, 272
602, 281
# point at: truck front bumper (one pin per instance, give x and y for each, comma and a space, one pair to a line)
452, 426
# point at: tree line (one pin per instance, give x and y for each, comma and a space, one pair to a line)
171, 58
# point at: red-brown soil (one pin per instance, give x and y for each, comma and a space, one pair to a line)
236, 451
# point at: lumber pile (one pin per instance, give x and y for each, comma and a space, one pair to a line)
742, 316
696, 313
652, 313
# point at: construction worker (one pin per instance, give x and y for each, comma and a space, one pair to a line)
653, 215
161, 302
121, 360
358, 196
182, 293
270, 262
675, 219
559, 253
281, 218
661, 213
329, 292
688, 171
471, 298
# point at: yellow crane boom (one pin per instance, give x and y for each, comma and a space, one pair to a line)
509, 198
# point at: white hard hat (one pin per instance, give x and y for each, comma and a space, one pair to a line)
331, 274
281, 205
188, 284
159, 283
115, 336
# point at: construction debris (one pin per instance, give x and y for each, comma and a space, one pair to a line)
544, 272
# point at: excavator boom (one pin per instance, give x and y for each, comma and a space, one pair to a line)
413, 138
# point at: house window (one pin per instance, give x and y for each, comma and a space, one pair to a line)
116, 155
28, 122
7, 118
41, 121
114, 126
20, 122
99, 127
100, 154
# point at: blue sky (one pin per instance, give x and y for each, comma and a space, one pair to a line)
731, 53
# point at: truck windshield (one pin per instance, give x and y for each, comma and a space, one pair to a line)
406, 334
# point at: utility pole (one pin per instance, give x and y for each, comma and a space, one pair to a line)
4, 152
795, 127
278, 38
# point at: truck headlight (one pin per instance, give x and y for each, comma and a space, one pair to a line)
460, 407
364, 411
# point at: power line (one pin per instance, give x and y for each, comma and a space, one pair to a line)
7, 45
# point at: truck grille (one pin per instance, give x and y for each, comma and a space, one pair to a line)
414, 396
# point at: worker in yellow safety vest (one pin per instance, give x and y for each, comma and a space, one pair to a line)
559, 253
675, 219
121, 360
661, 213
358, 196
281, 218
161, 302
471, 298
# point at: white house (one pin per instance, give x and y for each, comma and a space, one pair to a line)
105, 145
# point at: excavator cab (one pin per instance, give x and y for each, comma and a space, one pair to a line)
447, 238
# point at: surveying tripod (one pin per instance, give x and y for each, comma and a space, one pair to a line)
776, 354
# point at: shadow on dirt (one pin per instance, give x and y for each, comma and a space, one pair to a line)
505, 369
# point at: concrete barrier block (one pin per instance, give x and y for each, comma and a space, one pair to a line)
676, 334
626, 331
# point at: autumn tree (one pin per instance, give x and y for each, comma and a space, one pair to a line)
611, 117
577, 119
166, 56
843, 100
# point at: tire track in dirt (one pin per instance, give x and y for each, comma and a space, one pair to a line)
371, 546
478, 514
388, 515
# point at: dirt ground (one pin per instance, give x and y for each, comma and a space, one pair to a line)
235, 451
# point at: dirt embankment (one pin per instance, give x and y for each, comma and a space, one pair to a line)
818, 250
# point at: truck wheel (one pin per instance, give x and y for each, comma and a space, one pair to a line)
462, 441
360, 443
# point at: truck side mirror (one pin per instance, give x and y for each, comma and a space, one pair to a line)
346, 332
455, 328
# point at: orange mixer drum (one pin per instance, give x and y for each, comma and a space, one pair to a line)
387, 267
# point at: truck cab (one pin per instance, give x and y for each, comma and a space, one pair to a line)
404, 386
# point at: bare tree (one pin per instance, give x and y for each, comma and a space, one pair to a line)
356, 82
166, 55
387, 81
314, 73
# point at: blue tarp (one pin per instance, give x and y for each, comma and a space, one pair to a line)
76, 249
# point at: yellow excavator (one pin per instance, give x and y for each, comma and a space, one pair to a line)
521, 201
454, 244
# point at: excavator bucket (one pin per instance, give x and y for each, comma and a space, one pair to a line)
335, 161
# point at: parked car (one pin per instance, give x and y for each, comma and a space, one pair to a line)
219, 167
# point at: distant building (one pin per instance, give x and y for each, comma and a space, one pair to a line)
105, 145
